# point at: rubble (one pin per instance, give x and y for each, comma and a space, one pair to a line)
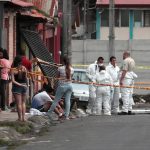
11, 132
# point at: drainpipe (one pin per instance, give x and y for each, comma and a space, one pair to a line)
1, 22
84, 31
57, 44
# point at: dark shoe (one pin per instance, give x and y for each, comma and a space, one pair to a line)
131, 113
122, 113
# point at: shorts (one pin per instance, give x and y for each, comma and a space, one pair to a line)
16, 89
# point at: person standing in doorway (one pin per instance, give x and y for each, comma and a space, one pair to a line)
127, 79
113, 70
6, 65
91, 72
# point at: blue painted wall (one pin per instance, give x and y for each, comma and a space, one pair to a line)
131, 24
98, 24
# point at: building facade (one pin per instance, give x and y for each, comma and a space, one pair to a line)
132, 19
35, 16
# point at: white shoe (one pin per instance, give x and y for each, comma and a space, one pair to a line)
88, 111
107, 114
98, 114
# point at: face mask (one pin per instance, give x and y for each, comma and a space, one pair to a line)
100, 64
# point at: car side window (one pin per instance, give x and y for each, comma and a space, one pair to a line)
76, 76
84, 77
80, 76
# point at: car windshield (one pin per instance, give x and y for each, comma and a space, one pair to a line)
80, 76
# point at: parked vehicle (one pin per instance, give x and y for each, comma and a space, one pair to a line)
80, 90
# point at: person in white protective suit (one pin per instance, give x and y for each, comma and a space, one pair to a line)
103, 92
127, 79
91, 72
113, 70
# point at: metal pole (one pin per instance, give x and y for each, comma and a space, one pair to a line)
84, 31
111, 28
1, 21
67, 30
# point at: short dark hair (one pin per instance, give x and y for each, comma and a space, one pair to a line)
17, 61
5, 54
111, 58
47, 88
1, 49
100, 58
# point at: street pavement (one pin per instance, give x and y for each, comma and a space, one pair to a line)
130, 132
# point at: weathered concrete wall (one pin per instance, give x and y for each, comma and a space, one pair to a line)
139, 33
87, 51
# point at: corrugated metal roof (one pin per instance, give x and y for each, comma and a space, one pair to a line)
44, 5
21, 3
124, 2
33, 13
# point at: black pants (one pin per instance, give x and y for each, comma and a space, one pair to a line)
3, 89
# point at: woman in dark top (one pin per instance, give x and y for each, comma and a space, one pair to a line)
19, 86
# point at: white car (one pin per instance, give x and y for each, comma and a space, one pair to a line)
80, 90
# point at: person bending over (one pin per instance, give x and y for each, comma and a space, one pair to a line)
42, 101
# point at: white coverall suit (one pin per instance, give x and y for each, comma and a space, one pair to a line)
103, 93
114, 73
91, 73
126, 93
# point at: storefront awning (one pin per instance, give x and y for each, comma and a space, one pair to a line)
33, 13
18, 3
21, 3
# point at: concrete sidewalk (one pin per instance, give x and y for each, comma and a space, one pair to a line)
13, 116
10, 116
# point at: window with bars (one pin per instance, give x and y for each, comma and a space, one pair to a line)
137, 18
123, 15
147, 18
124, 18
105, 18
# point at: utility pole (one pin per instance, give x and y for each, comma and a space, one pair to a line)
67, 28
84, 31
111, 28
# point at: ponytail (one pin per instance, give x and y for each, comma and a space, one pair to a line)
68, 67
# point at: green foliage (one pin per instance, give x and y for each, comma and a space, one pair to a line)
11, 145
21, 127
3, 142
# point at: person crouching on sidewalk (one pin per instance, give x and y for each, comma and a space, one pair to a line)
42, 101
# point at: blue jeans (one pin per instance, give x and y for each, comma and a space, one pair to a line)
64, 89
